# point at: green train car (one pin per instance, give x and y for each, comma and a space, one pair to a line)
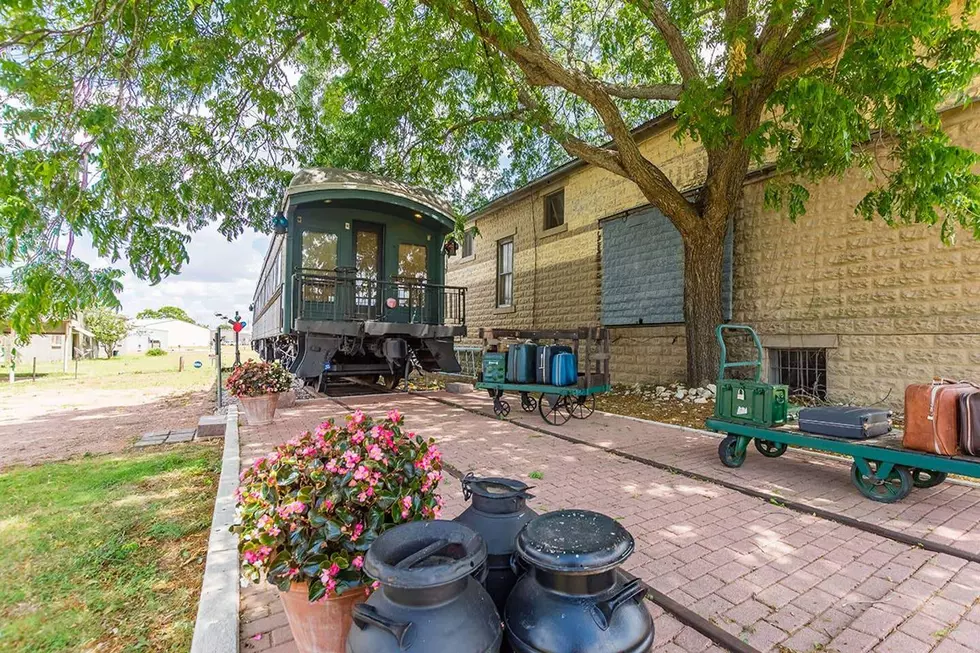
352, 284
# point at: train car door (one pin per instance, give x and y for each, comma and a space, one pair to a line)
368, 258
411, 277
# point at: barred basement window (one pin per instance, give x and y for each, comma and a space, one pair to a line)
803, 370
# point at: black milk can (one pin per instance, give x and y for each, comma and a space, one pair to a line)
498, 512
428, 601
574, 597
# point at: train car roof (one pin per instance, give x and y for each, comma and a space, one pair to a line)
336, 182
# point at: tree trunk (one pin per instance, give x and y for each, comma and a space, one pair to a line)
703, 261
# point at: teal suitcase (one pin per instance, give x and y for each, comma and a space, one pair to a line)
521, 363
494, 367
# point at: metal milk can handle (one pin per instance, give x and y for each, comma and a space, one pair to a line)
365, 615
602, 611
516, 565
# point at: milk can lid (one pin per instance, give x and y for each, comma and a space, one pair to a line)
574, 542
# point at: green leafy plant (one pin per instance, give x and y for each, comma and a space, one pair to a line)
256, 378
308, 512
156, 351
165, 312
108, 327
138, 124
536, 475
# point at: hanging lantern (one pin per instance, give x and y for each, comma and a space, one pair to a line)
451, 247
279, 223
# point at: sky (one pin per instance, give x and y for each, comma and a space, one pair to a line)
220, 277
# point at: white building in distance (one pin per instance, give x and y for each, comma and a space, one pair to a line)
167, 333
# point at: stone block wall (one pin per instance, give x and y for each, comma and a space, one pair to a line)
897, 304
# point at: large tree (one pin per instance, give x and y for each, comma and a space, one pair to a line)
138, 122
165, 312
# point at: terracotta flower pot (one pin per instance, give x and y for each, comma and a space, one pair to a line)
319, 627
260, 410
287, 399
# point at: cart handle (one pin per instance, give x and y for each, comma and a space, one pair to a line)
757, 363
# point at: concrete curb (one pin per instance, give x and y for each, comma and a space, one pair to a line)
216, 628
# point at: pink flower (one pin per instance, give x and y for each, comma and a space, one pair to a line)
374, 452
406, 506
351, 458
394, 415
334, 570
357, 417
358, 437
291, 508
358, 562
358, 529
361, 473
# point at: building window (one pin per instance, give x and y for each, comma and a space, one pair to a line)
803, 370
57, 341
554, 209
505, 272
468, 243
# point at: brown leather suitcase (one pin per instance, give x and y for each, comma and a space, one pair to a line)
932, 416
970, 422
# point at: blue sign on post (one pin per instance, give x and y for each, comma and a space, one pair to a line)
198, 364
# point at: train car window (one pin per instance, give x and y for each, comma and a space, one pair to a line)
319, 250
319, 253
412, 269
412, 262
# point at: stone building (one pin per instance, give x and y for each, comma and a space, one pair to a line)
852, 309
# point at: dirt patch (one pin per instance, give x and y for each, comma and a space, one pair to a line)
646, 403
37, 429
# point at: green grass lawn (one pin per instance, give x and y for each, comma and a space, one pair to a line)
105, 553
124, 372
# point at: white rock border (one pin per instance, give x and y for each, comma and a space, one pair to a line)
216, 628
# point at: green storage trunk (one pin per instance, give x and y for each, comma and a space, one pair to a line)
752, 402
494, 367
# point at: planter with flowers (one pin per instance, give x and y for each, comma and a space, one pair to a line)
308, 512
257, 385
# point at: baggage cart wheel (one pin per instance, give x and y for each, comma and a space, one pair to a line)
500, 407
728, 452
554, 409
581, 407
528, 403
770, 449
894, 486
923, 478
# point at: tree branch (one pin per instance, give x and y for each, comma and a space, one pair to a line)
527, 24
657, 12
540, 69
670, 92
605, 158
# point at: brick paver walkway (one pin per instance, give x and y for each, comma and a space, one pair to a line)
778, 579
947, 514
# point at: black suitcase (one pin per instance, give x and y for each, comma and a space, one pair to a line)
545, 354
850, 422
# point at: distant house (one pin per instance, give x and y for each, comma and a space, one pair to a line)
165, 333
60, 341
